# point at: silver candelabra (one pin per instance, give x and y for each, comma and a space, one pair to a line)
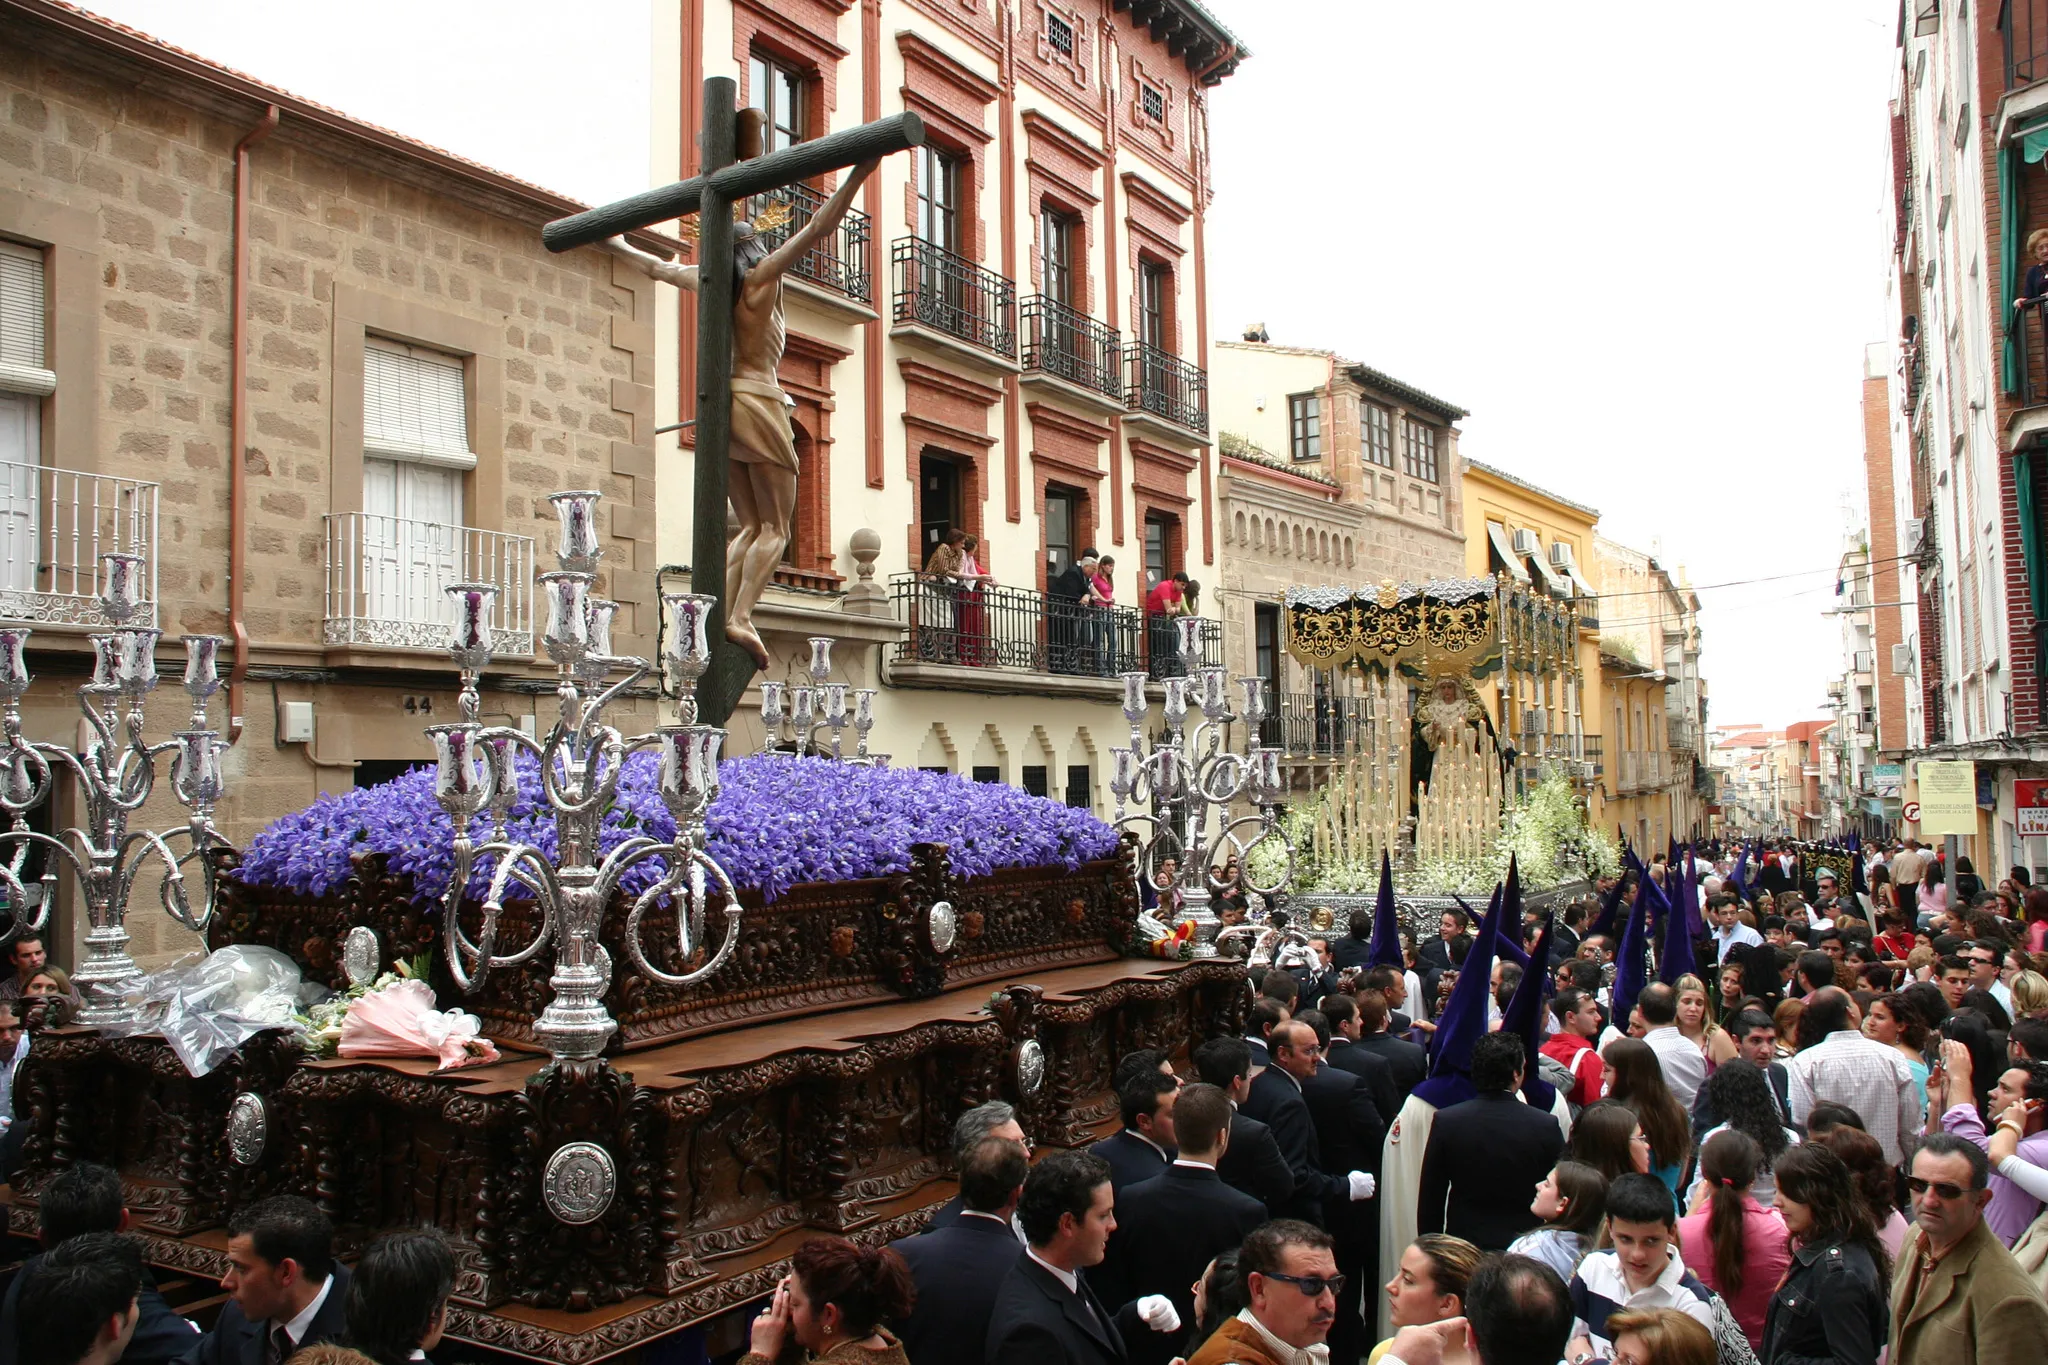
581, 761
115, 772
1191, 780
805, 708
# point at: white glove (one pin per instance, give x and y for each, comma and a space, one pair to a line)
1157, 1312
1362, 1185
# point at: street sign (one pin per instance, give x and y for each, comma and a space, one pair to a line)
1910, 811
1948, 797
1888, 778
2030, 802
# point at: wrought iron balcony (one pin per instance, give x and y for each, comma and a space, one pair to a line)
54, 526
1161, 383
1070, 345
2023, 25
387, 579
840, 260
1309, 725
1000, 627
1162, 646
953, 295
2030, 338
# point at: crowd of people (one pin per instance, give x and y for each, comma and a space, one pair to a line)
1837, 1151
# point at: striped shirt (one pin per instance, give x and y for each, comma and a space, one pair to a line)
1599, 1291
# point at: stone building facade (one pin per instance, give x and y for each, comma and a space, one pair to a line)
415, 375
1007, 337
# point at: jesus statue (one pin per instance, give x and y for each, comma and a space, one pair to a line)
763, 450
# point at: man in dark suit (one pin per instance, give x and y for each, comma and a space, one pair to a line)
1340, 1013
1045, 1311
81, 1304
1252, 1162
1266, 1015
994, 1119
1354, 950
1392, 984
1318, 978
1433, 957
1277, 1101
1486, 1156
1170, 1227
1378, 1035
1145, 1146
1756, 1041
1564, 942
958, 1269
285, 1289
1351, 1128
86, 1198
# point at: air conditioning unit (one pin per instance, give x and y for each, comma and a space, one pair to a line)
1916, 532
1561, 555
1527, 543
1902, 660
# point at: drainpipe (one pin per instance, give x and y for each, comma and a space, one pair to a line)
238, 426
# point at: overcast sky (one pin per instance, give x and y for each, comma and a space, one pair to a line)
1642, 243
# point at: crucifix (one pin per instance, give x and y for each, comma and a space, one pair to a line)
742, 416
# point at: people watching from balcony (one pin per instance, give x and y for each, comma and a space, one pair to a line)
1065, 626
1098, 604
1167, 600
940, 598
2035, 288
973, 614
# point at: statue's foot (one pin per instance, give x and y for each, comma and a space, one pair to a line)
745, 638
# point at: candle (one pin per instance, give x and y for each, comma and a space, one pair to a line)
599, 630
462, 778
469, 636
771, 709
197, 780
14, 675
688, 647
123, 594
567, 593
202, 665
135, 658
577, 514
821, 658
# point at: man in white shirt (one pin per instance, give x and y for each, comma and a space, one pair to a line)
1847, 1068
285, 1289
1985, 960
1290, 1277
1730, 932
1684, 1065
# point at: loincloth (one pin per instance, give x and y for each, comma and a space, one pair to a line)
761, 432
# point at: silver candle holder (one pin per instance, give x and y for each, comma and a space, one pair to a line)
1190, 781
806, 707
115, 773
581, 761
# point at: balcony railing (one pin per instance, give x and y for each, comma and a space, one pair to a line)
1070, 345
1681, 734
2030, 338
1166, 386
953, 295
1643, 771
840, 260
1864, 662
1307, 725
54, 526
1013, 628
1162, 643
387, 579
2023, 24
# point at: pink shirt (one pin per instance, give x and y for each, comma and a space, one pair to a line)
1767, 1251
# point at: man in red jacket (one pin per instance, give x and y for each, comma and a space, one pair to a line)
1578, 1024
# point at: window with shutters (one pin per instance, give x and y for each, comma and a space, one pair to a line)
780, 91
1419, 450
415, 449
1378, 426
1305, 426
25, 380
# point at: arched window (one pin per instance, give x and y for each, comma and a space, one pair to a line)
1237, 528
1350, 559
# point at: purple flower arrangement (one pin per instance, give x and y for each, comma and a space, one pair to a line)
777, 823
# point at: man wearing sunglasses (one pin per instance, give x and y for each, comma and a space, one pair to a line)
1290, 1276
1957, 1294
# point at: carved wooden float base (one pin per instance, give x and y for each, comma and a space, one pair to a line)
716, 1156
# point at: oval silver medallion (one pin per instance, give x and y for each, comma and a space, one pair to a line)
361, 955
1030, 1067
579, 1182
943, 925
248, 1128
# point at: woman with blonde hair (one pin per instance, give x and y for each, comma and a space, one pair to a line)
1429, 1284
2029, 993
1785, 1019
1660, 1336
1696, 1022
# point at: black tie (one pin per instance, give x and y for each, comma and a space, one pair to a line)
280, 1348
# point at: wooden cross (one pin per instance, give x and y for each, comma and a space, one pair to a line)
725, 181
